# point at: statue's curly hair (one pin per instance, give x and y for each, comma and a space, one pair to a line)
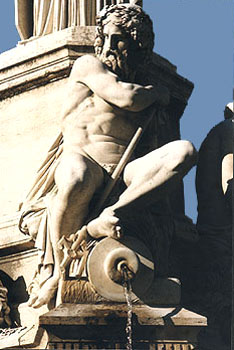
135, 22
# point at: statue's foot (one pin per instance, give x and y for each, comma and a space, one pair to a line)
32, 299
46, 293
106, 225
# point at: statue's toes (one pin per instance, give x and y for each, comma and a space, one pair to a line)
39, 302
32, 300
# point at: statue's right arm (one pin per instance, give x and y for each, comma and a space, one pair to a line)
90, 71
75, 93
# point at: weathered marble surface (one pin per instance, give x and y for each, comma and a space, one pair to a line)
98, 314
103, 326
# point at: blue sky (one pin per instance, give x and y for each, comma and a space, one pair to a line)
196, 36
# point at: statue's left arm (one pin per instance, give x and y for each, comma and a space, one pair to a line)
107, 85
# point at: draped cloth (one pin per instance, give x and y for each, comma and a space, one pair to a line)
49, 16
53, 15
41, 17
82, 12
35, 210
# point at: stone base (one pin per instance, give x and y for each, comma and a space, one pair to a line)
163, 291
16, 272
23, 337
102, 326
121, 346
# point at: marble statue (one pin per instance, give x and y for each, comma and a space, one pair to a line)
214, 185
214, 180
41, 17
207, 269
106, 106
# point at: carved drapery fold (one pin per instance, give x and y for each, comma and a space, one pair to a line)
49, 16
81, 12
41, 17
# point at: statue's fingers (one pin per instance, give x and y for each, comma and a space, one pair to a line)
119, 232
114, 220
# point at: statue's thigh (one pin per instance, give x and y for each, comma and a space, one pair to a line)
167, 157
76, 170
139, 167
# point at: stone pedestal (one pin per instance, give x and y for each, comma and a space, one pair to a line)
102, 326
32, 91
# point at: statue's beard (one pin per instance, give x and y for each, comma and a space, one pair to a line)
117, 63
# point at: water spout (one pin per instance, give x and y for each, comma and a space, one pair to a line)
127, 291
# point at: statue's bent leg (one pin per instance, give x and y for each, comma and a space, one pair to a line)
154, 175
149, 179
77, 178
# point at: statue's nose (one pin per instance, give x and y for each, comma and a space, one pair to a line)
110, 44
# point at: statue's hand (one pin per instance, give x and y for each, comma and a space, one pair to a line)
106, 225
116, 230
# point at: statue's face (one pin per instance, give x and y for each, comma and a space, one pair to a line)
115, 47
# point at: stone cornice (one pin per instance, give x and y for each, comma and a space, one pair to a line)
39, 61
12, 240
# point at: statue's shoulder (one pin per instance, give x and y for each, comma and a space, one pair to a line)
218, 140
85, 62
223, 129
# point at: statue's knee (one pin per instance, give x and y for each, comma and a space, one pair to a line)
128, 174
78, 187
188, 153
70, 187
